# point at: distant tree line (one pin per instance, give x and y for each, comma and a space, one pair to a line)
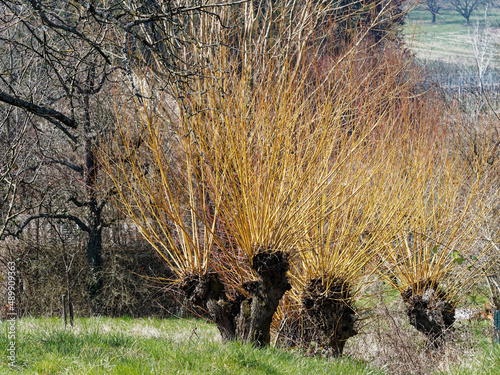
463, 7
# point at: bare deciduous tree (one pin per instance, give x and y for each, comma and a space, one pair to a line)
483, 43
466, 7
433, 6
59, 63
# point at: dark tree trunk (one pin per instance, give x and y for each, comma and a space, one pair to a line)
94, 218
245, 318
433, 17
94, 263
330, 312
94, 213
253, 324
64, 316
430, 312
207, 291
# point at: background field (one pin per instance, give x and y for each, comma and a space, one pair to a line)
448, 40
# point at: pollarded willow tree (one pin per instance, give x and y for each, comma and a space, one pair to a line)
240, 179
439, 254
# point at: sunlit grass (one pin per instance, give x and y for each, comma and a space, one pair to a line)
485, 362
151, 346
178, 346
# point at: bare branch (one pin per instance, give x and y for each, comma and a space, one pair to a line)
68, 29
47, 113
76, 168
75, 219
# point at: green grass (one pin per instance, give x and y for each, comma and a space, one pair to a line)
487, 362
152, 346
446, 40
175, 346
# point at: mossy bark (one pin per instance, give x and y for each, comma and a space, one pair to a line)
330, 312
429, 311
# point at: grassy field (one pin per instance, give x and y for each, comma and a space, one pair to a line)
175, 346
152, 346
448, 39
